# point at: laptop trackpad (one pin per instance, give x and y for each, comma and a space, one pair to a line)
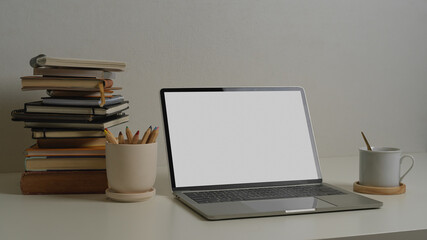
289, 205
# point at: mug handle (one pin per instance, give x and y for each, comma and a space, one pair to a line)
401, 160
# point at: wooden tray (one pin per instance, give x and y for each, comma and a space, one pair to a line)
379, 190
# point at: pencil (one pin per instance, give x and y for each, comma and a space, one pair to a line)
110, 133
146, 135
106, 129
135, 138
121, 138
110, 138
367, 143
153, 136
129, 135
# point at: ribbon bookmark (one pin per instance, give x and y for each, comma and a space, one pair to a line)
101, 90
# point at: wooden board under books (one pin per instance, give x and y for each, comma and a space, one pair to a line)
70, 142
73, 72
45, 61
64, 182
46, 163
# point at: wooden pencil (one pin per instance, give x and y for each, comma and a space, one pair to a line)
121, 138
153, 136
110, 138
146, 135
135, 138
129, 135
368, 146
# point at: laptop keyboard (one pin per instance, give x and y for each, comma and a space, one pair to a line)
262, 193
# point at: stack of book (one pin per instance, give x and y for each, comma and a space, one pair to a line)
68, 124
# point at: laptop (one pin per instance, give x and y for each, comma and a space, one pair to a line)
247, 152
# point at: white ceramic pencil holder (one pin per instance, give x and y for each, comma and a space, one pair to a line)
131, 171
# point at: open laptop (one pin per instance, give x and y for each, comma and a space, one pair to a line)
247, 152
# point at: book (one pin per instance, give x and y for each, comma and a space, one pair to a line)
44, 61
107, 122
35, 150
52, 133
29, 82
70, 142
85, 94
45, 163
68, 101
73, 72
64, 182
76, 89
21, 115
39, 107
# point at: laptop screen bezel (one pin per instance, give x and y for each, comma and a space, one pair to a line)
163, 93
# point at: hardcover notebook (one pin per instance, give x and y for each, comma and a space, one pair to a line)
21, 115
74, 101
104, 123
29, 82
64, 182
247, 152
73, 72
49, 163
54, 133
39, 107
45, 61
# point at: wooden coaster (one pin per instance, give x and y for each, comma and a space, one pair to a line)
379, 190
130, 197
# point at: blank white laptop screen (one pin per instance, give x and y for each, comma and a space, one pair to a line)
235, 137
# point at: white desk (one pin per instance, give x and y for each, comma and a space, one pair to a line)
163, 217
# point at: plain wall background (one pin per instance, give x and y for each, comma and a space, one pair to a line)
363, 63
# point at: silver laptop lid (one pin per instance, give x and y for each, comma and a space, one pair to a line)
228, 137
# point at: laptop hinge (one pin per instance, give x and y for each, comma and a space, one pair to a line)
248, 185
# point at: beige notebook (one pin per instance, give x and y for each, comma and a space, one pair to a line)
45, 61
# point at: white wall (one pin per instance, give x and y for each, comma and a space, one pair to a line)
362, 63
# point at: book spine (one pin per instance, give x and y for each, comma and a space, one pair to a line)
71, 142
34, 62
64, 182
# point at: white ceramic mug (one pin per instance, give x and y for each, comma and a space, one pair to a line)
131, 168
381, 166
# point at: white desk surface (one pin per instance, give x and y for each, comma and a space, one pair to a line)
93, 216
